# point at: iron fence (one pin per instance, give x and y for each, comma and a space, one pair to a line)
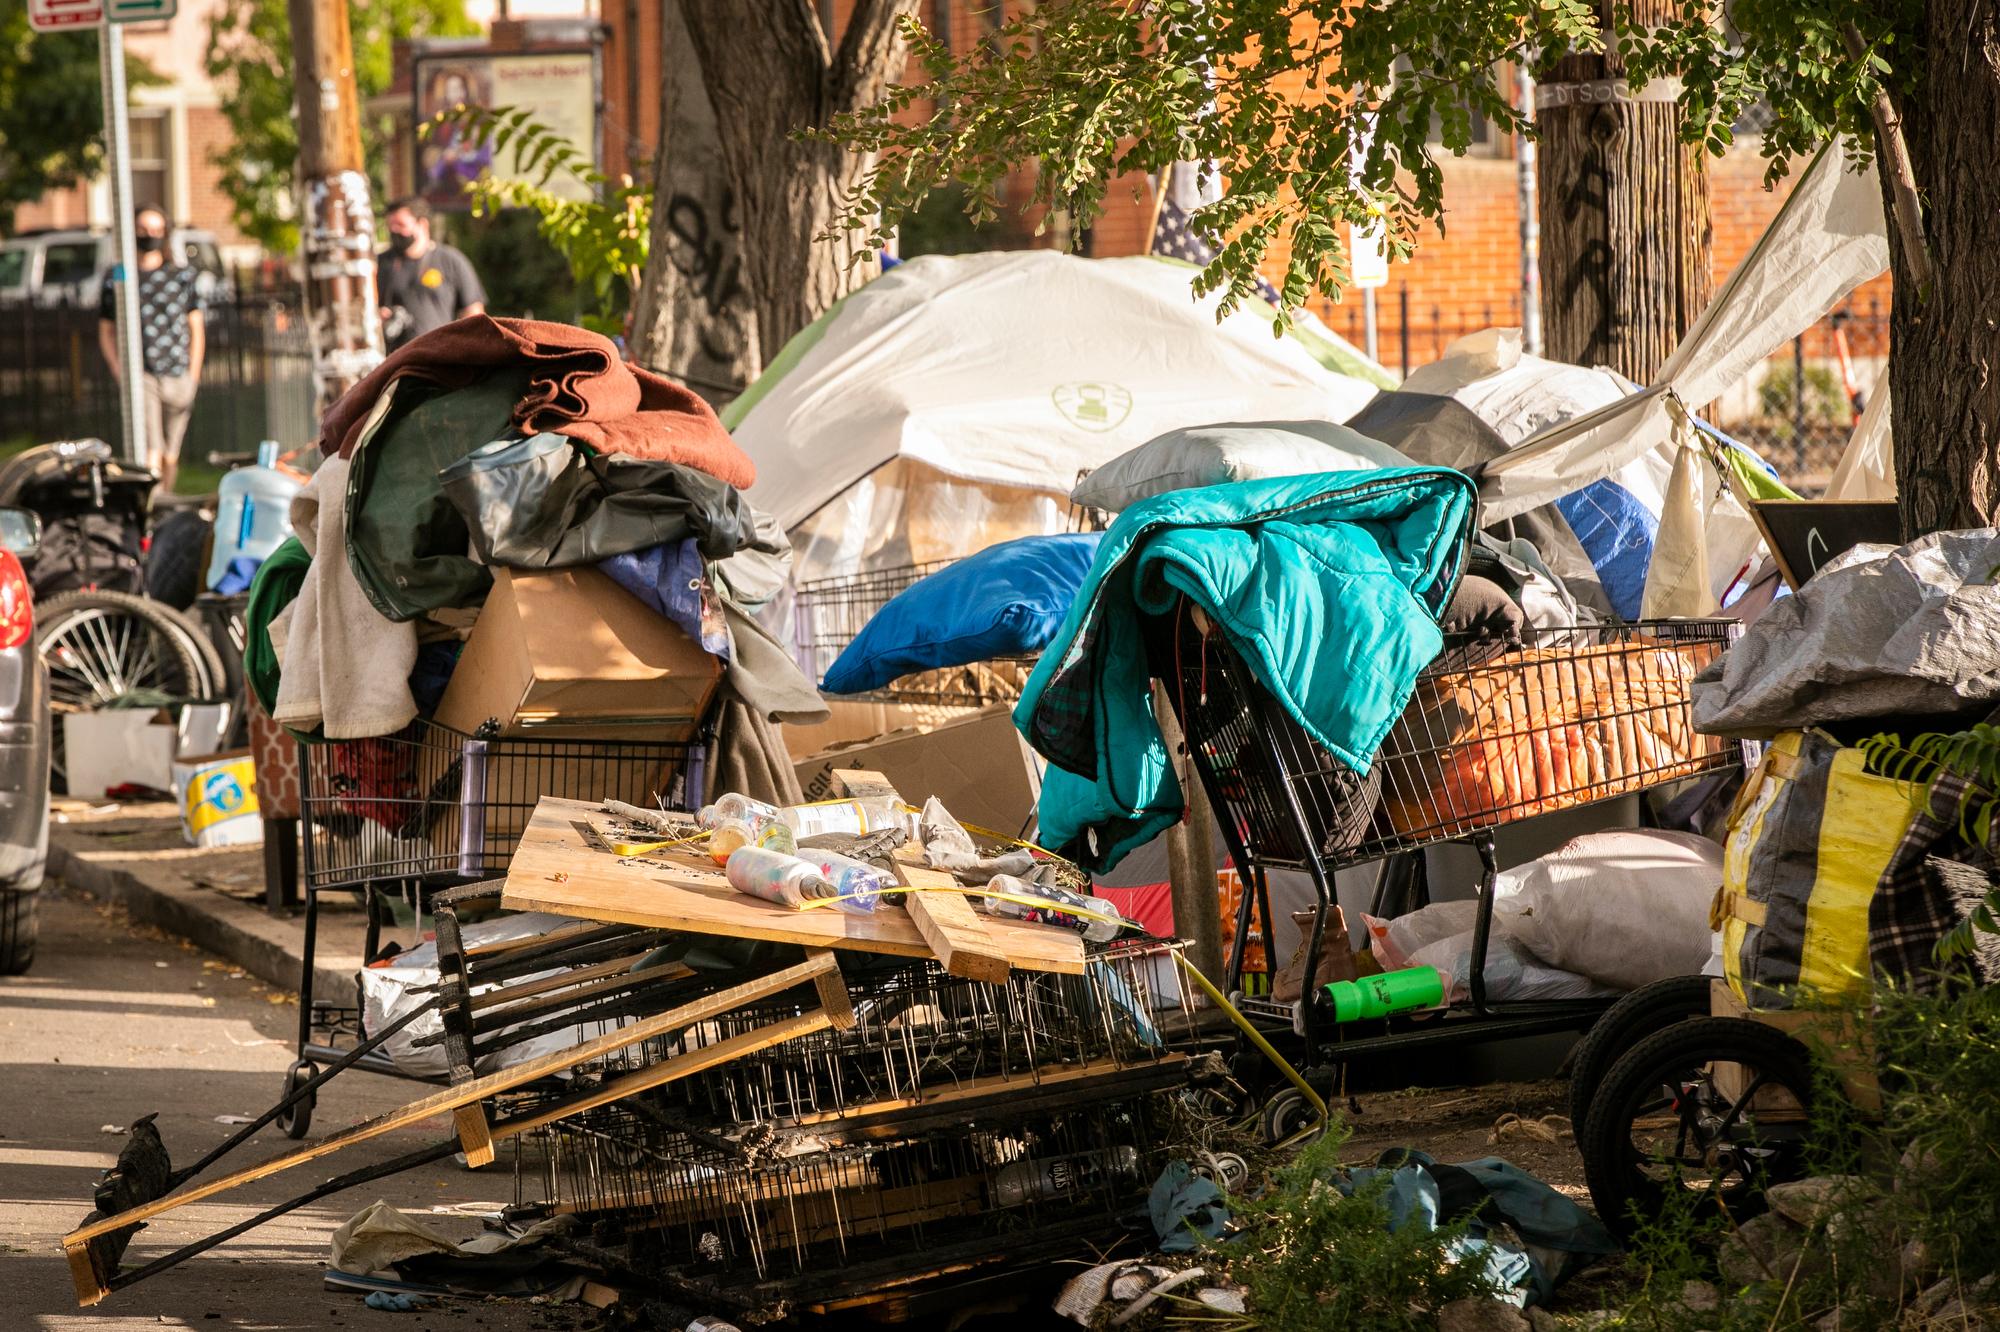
256, 381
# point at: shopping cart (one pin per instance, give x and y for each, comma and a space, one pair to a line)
1494, 733
830, 612
397, 820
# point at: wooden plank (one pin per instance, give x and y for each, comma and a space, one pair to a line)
555, 868
864, 784
475, 1138
468, 1093
833, 996
976, 1088
958, 936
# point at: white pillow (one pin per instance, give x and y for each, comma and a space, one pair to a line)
1211, 455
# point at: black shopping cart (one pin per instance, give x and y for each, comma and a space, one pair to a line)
829, 612
1494, 733
400, 819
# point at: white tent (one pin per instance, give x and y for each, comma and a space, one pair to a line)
952, 402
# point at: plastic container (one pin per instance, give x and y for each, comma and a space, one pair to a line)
776, 877
859, 886
1043, 1177
734, 806
1092, 917
253, 512
730, 834
1391, 992
847, 816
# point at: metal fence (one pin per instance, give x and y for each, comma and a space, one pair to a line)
256, 382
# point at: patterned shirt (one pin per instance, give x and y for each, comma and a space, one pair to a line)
166, 297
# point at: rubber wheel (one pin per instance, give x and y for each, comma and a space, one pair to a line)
215, 675
177, 558
1661, 1122
20, 922
104, 646
294, 1121
1632, 1019
1285, 1114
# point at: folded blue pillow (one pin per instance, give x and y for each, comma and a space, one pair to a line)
1005, 601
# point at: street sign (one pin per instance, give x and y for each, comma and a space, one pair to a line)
1367, 256
140, 11
64, 15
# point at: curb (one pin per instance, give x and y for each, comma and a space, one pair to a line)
268, 948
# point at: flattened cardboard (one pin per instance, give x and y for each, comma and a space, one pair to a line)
851, 719
567, 653
978, 766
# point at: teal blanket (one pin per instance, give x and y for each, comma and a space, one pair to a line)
1329, 586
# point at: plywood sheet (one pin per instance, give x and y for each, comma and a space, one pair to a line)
561, 866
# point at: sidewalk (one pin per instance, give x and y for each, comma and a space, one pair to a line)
134, 855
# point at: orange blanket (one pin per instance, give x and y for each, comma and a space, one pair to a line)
581, 388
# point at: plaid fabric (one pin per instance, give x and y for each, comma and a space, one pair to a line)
1912, 909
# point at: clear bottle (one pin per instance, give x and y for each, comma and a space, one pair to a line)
734, 806
1092, 917
1043, 1177
776, 877
848, 816
253, 512
729, 834
859, 886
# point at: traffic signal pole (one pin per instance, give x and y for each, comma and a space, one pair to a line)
337, 216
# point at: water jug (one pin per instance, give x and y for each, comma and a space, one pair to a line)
253, 512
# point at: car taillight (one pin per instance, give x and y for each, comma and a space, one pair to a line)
17, 602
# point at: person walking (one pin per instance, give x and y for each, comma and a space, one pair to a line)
173, 339
423, 283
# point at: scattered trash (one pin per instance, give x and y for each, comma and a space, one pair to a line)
1186, 1209
398, 1301
233, 1119
161, 965
1549, 1128
118, 1129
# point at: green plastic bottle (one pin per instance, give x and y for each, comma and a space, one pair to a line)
1390, 992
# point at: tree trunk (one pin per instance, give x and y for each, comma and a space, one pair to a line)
771, 73
1944, 361
693, 317
1626, 239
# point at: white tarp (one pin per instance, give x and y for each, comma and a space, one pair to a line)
1018, 369
1827, 239
1867, 470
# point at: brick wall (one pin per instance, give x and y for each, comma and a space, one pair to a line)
206, 206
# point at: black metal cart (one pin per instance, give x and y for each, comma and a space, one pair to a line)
1494, 733
429, 809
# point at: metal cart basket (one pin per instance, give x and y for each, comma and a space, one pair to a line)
830, 612
432, 808
1494, 733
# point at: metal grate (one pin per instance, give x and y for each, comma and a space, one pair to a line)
1492, 734
830, 612
432, 801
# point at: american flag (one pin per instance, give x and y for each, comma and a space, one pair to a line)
1173, 233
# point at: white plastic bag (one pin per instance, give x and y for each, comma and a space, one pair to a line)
1627, 907
1512, 972
1396, 942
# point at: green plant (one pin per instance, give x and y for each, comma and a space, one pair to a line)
1317, 1257
603, 236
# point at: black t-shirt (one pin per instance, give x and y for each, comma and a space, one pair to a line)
166, 296
433, 289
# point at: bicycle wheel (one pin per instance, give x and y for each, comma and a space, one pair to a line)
103, 648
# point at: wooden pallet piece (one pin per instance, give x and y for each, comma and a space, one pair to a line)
557, 868
89, 1288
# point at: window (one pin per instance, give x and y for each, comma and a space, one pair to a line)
69, 264
1487, 140
152, 160
13, 269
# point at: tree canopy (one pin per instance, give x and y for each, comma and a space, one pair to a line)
1318, 113
51, 109
250, 59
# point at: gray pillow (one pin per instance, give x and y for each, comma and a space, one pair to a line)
1210, 455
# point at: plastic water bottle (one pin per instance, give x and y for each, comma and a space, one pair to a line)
253, 512
847, 816
1391, 992
776, 877
1039, 1178
730, 834
738, 807
858, 885
1092, 917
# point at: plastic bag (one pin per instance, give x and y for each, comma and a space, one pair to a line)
1626, 907
1396, 942
1512, 972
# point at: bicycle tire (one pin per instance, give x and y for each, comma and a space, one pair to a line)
1620, 1187
177, 558
1632, 1019
78, 683
215, 675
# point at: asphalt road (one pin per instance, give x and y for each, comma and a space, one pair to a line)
116, 1021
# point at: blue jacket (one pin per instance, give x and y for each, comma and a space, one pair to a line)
1329, 586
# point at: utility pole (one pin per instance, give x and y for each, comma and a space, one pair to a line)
1531, 222
131, 356
337, 217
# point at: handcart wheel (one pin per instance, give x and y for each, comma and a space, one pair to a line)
296, 1119
1648, 1009
1285, 1114
1710, 1106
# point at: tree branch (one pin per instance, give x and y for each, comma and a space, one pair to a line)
871, 52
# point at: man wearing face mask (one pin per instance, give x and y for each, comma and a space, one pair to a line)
172, 339
422, 283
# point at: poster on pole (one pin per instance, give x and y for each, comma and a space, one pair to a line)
558, 87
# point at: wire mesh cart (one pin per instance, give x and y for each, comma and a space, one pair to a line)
404, 817
1494, 733
830, 612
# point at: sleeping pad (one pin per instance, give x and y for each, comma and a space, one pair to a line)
1329, 586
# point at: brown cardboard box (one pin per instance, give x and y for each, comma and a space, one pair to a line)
1336, 956
978, 766
852, 719
567, 654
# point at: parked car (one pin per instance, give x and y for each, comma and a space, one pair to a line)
24, 747
69, 267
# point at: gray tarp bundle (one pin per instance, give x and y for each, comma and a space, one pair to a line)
1880, 631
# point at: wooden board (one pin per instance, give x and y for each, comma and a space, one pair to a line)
557, 867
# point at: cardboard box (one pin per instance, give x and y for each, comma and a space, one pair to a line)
978, 766
115, 746
853, 720
569, 654
217, 794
